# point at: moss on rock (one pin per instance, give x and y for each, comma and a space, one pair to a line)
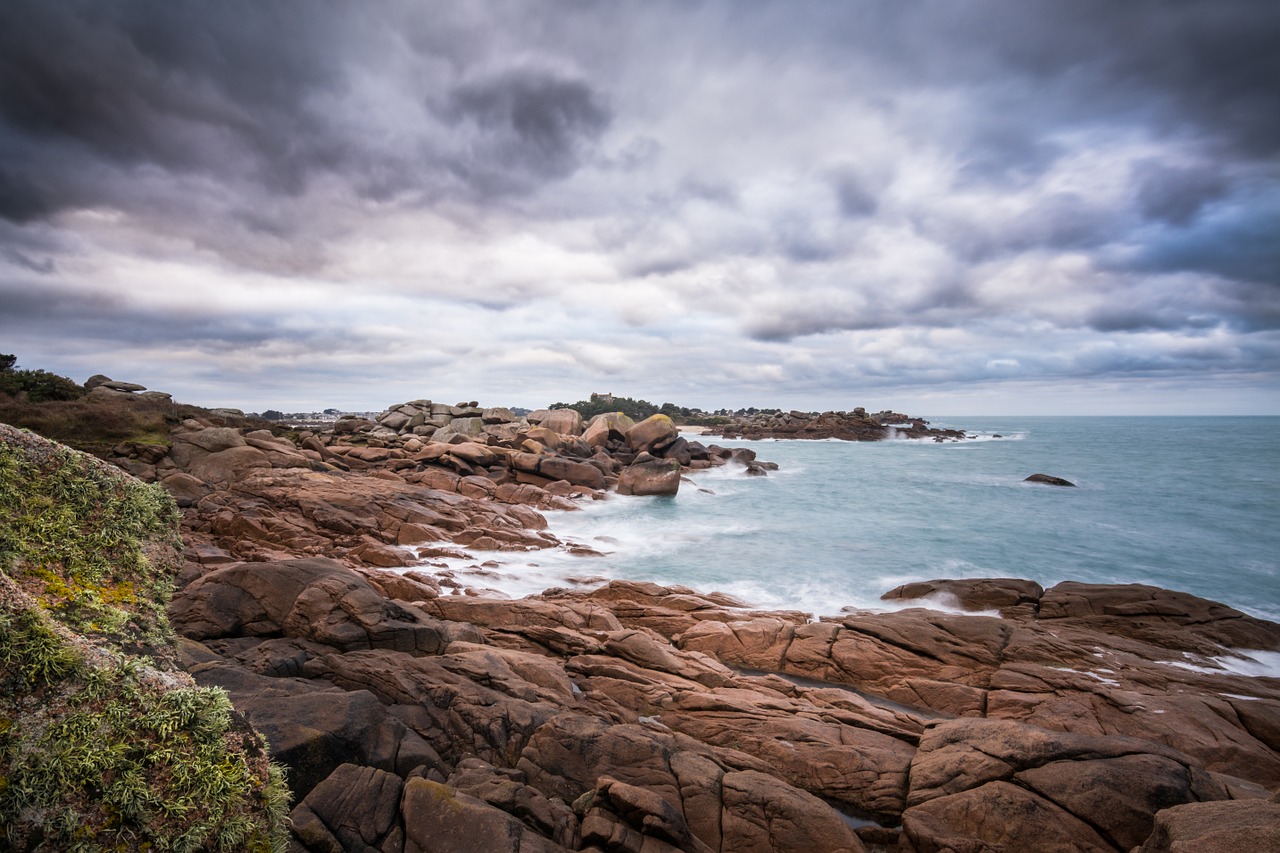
101, 748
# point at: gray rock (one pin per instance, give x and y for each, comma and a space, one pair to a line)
1048, 480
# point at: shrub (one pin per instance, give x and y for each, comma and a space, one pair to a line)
38, 385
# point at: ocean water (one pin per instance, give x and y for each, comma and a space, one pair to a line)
1188, 503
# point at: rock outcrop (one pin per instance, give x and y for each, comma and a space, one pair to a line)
847, 426
641, 718
421, 475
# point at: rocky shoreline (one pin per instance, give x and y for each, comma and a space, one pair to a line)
413, 713
856, 425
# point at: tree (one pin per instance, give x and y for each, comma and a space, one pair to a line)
272, 415
37, 385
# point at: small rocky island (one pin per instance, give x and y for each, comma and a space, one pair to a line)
856, 425
411, 713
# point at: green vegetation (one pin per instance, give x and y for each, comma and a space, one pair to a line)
36, 386
97, 426
114, 757
74, 537
99, 749
637, 410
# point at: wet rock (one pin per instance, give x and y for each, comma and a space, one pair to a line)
1048, 480
654, 477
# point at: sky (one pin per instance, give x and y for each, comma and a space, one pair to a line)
1017, 207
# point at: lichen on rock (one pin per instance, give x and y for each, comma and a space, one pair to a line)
103, 747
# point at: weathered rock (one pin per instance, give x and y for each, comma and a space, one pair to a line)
653, 434
562, 421
977, 594
354, 808
654, 477
439, 818
577, 473
1216, 827
1117, 783
122, 386
314, 599
611, 426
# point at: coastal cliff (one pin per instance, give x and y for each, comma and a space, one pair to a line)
414, 714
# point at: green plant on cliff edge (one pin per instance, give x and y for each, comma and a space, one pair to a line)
74, 537
109, 756
99, 750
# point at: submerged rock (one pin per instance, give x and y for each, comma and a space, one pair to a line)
1048, 480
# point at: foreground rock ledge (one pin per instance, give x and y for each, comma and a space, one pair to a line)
646, 719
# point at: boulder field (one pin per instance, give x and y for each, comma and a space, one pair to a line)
641, 718
412, 713
421, 475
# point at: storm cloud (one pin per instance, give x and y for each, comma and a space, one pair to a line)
988, 205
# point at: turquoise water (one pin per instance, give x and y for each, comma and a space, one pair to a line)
1185, 503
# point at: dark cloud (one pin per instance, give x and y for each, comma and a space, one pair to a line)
1175, 194
104, 316
853, 197
214, 88
1238, 242
525, 126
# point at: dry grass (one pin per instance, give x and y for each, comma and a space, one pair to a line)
96, 426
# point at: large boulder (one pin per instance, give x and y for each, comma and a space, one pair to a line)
1008, 784
577, 473
313, 599
1216, 827
610, 426
563, 421
653, 434
651, 477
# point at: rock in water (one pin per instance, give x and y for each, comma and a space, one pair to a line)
652, 477
1048, 480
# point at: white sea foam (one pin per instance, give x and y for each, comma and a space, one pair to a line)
842, 522
1250, 662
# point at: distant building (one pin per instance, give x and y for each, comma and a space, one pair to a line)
602, 398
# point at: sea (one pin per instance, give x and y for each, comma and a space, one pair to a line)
1186, 503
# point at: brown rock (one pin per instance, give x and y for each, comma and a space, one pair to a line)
973, 594
611, 426
1216, 827
354, 808
562, 421
653, 434
577, 473
655, 477
229, 466
437, 817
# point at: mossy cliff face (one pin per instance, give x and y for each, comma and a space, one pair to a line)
101, 747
